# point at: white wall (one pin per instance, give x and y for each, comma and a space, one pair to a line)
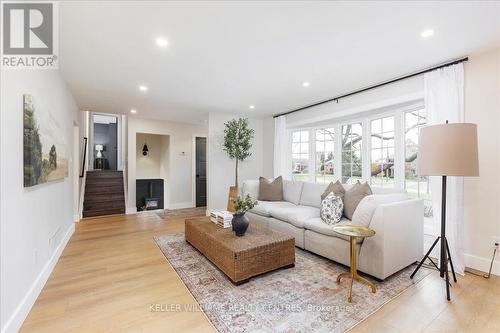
482, 194
149, 166
267, 147
36, 222
220, 169
180, 159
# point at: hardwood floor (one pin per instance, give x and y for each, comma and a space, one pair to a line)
112, 271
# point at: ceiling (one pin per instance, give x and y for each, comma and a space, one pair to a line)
226, 56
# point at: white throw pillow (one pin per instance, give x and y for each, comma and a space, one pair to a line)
331, 209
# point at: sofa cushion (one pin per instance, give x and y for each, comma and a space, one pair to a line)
311, 194
336, 188
296, 215
251, 188
292, 191
317, 225
263, 207
353, 197
367, 206
271, 190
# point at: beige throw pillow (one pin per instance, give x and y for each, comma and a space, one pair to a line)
336, 188
353, 196
271, 191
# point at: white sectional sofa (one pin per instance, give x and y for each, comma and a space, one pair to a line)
396, 219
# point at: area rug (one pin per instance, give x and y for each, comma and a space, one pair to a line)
305, 298
170, 214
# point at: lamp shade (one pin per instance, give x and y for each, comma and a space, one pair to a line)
448, 150
99, 147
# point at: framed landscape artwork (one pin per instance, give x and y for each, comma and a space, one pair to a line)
45, 154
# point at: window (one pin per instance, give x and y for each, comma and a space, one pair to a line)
324, 155
382, 152
351, 153
300, 155
416, 186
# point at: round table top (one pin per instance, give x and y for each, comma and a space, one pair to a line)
354, 230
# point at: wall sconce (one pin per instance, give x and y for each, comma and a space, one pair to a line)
145, 150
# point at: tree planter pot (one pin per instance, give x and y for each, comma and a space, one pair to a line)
233, 195
240, 224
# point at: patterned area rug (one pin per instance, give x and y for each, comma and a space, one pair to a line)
305, 298
169, 214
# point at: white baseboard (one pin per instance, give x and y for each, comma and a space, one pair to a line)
180, 205
14, 323
131, 210
76, 218
483, 264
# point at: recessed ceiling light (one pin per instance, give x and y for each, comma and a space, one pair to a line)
162, 42
143, 88
251, 107
427, 33
306, 84
133, 111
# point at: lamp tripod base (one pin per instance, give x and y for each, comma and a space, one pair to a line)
443, 270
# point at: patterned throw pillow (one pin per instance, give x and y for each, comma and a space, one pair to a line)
332, 208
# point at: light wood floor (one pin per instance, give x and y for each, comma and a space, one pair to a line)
112, 271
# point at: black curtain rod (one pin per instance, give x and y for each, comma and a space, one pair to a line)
454, 62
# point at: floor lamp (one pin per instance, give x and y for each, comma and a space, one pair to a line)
446, 150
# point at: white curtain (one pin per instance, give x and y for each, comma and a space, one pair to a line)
444, 100
282, 163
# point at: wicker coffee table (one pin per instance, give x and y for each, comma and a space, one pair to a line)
259, 251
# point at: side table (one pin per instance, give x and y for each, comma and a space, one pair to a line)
354, 232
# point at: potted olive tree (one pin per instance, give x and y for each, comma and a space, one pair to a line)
240, 222
237, 144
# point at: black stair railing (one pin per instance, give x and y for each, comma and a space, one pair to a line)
82, 172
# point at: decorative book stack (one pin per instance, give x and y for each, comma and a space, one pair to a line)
221, 218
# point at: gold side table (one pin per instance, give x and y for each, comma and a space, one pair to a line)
354, 232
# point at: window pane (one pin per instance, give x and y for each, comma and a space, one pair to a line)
388, 124
304, 136
382, 152
320, 147
416, 186
329, 134
351, 153
295, 136
329, 146
377, 126
376, 141
324, 155
300, 155
304, 147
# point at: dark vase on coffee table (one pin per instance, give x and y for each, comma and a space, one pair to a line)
240, 224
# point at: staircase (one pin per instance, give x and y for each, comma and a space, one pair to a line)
103, 193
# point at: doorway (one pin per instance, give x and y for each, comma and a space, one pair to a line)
105, 142
201, 171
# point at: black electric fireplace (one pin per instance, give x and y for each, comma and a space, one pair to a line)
149, 194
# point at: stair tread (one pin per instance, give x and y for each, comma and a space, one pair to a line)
102, 213
103, 209
101, 198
